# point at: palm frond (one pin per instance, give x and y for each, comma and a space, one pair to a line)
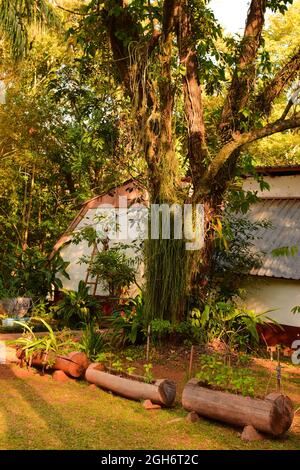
16, 16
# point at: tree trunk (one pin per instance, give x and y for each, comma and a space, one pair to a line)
162, 392
273, 415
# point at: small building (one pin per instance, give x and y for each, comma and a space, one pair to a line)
276, 289
108, 206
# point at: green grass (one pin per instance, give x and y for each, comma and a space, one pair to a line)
38, 413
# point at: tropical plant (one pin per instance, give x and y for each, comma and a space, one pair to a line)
115, 269
16, 16
148, 374
31, 273
77, 306
160, 330
128, 323
92, 342
235, 326
41, 309
52, 342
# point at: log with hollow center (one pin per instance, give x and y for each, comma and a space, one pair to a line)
162, 392
74, 364
273, 415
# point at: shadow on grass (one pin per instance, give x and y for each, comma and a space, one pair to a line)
55, 423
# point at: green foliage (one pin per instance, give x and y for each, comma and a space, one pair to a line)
67, 134
92, 342
285, 251
296, 309
215, 374
115, 269
279, 5
148, 374
30, 273
16, 16
41, 309
160, 330
77, 306
58, 343
166, 279
234, 255
235, 326
128, 323
118, 365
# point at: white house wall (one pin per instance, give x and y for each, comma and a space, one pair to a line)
287, 186
72, 253
279, 295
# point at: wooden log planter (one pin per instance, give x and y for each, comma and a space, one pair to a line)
273, 415
162, 392
74, 364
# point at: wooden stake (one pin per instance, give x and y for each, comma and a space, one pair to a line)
191, 361
278, 370
148, 342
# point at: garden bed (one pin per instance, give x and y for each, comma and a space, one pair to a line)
273, 415
162, 392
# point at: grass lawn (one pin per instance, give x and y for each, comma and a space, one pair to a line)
37, 412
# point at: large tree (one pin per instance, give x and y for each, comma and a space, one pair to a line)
170, 55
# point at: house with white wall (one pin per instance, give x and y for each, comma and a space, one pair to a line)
111, 206
277, 282
276, 286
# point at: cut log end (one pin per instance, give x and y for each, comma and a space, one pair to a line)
167, 391
79, 358
282, 413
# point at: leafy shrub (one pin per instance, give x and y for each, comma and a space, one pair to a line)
213, 372
92, 342
30, 344
30, 273
160, 330
235, 326
113, 267
148, 374
77, 306
41, 309
127, 323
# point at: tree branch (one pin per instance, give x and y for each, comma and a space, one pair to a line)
244, 75
117, 26
285, 76
169, 11
193, 103
239, 140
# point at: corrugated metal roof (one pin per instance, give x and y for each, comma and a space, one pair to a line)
284, 215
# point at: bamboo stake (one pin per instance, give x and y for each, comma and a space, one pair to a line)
191, 361
278, 370
148, 342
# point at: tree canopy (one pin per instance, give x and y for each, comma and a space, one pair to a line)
105, 90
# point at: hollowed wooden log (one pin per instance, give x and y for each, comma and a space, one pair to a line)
162, 392
273, 415
79, 358
74, 364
